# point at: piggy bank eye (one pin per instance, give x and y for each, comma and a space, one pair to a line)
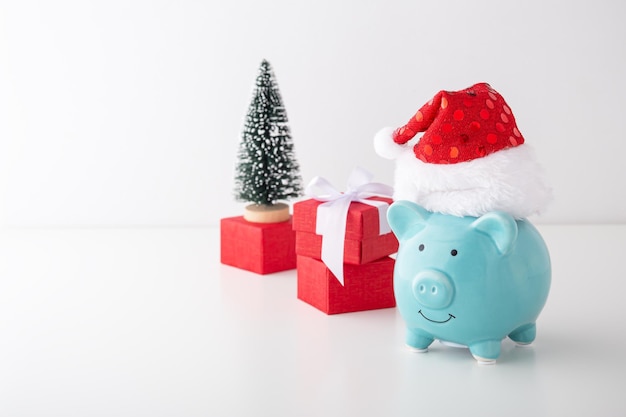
454, 252
421, 247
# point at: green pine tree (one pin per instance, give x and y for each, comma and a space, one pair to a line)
267, 170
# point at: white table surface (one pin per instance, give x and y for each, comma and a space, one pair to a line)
147, 322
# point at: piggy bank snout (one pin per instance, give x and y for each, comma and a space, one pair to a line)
433, 289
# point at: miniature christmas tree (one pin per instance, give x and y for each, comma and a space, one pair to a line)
267, 170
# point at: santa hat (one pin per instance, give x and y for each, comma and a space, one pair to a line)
470, 158
459, 126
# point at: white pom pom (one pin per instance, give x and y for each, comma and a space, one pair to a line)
385, 146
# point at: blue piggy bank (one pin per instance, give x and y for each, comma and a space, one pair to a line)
469, 281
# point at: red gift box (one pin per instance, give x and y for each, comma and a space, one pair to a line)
363, 243
366, 287
263, 248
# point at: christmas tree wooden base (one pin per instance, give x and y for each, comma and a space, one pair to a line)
262, 248
261, 213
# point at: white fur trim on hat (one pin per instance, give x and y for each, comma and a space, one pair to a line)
509, 180
385, 146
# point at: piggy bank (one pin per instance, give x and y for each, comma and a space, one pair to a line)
468, 281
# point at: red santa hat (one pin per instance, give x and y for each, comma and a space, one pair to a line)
471, 158
459, 126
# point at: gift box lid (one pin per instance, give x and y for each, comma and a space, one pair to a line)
362, 220
356, 252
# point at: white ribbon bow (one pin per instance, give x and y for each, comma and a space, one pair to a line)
333, 213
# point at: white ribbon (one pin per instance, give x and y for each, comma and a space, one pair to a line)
333, 213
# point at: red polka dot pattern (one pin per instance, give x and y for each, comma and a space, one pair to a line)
460, 126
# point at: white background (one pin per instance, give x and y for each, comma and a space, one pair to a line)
130, 112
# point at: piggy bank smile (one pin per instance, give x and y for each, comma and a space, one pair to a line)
450, 317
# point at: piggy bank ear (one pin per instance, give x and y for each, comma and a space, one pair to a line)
500, 227
406, 218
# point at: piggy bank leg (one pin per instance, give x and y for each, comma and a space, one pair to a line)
486, 352
524, 335
418, 341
